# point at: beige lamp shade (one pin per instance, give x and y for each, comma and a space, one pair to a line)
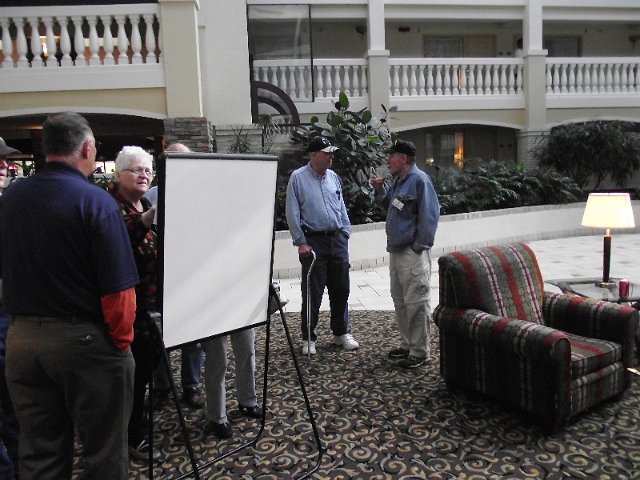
608, 210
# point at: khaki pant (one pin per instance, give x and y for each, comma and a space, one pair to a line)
410, 273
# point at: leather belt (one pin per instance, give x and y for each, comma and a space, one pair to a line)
321, 233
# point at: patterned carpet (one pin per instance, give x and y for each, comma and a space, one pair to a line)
377, 421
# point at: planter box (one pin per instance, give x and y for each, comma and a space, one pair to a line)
455, 232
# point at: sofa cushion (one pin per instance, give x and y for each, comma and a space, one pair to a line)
502, 280
591, 354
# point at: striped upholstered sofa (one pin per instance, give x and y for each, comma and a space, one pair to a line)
549, 354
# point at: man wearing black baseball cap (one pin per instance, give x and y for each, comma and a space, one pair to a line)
318, 222
413, 212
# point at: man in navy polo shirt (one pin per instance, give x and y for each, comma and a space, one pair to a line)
67, 276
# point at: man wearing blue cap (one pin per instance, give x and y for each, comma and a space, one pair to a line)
318, 221
413, 212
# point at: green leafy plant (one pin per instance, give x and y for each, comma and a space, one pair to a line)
363, 141
591, 152
497, 185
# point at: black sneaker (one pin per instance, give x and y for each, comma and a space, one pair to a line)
398, 353
193, 398
220, 430
412, 362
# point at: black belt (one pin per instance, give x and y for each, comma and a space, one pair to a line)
321, 233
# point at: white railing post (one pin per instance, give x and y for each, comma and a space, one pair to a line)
579, 79
65, 42
123, 43
107, 41
471, 82
421, 82
512, 80
455, 82
487, 80
7, 44
149, 39
94, 44
356, 80
446, 79
50, 41
136, 39
336, 81
319, 82
430, 82
438, 79
572, 78
21, 43
503, 80
36, 46
78, 41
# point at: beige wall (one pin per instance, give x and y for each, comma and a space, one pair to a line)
147, 102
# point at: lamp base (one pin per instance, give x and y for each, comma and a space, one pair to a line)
608, 285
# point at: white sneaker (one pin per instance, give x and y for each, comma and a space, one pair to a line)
308, 348
346, 341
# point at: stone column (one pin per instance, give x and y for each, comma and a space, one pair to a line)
378, 57
195, 132
181, 55
528, 141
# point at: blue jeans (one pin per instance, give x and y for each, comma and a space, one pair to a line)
190, 368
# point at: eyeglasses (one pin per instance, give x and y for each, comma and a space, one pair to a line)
147, 172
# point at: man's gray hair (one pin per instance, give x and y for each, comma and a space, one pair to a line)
128, 154
64, 133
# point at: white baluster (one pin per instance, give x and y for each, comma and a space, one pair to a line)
572, 78
438, 79
421, 83
21, 43
511, 79
284, 81
624, 86
463, 79
556, 78
302, 84
471, 82
587, 78
454, 80
293, 87
319, 82
501, 75
602, 78
396, 81
579, 79
609, 78
404, 78
346, 84
107, 41
636, 82
50, 42
263, 74
7, 44
616, 77
149, 39
487, 80
356, 80
336, 81
159, 41
78, 41
495, 81
480, 79
328, 84
446, 80
123, 42
94, 44
364, 86
65, 42
413, 81
519, 78
430, 82
136, 39
36, 46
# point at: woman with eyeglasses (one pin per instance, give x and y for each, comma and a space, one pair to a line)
134, 173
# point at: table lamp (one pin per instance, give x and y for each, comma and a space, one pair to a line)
608, 210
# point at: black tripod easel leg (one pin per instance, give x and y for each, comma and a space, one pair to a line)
312, 420
174, 391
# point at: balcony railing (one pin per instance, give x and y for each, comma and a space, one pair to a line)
68, 47
593, 75
410, 77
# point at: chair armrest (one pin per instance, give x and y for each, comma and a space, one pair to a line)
521, 337
591, 318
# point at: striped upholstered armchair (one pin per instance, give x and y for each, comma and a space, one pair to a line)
550, 354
